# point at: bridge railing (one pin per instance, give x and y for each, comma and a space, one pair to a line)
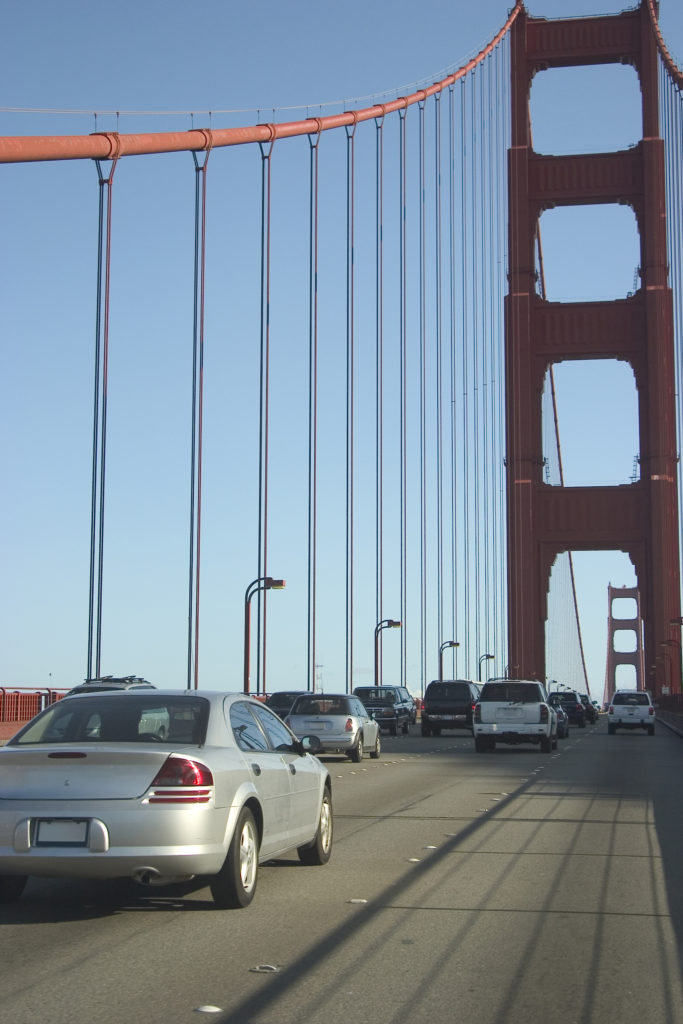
20, 704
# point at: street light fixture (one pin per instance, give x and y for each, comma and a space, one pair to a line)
442, 648
484, 657
262, 583
384, 624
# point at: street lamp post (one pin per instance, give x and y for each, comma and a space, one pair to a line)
384, 624
484, 657
262, 583
442, 648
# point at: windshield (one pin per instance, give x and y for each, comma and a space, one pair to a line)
633, 699
518, 693
320, 705
123, 718
449, 691
376, 693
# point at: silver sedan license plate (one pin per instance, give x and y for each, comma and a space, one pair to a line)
61, 832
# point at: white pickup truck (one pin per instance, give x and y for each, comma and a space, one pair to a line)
514, 711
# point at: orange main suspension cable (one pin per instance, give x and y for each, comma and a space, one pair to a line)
674, 71
103, 145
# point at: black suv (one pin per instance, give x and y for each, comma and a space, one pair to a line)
448, 704
282, 701
392, 707
571, 702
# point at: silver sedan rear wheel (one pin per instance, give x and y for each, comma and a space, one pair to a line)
235, 884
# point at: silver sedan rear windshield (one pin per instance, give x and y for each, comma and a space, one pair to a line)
321, 706
120, 718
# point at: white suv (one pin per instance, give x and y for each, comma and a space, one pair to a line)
514, 711
631, 709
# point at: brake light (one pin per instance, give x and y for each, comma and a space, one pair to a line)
650, 710
611, 709
349, 725
477, 712
184, 782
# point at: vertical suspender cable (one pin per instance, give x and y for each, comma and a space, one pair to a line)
502, 227
465, 263
423, 402
197, 420
379, 371
454, 464
264, 378
96, 427
671, 103
486, 300
403, 331
100, 417
498, 482
312, 407
350, 199
439, 366
476, 389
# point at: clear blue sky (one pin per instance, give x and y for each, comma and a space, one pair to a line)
258, 60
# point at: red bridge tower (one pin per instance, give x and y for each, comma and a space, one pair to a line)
639, 518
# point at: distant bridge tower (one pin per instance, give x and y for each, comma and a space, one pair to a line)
639, 518
614, 625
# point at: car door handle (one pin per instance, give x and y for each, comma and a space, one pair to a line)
292, 769
256, 769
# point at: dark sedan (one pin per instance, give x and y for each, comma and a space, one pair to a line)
571, 702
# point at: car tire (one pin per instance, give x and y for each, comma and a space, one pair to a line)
424, 729
319, 851
546, 744
650, 730
235, 884
554, 743
611, 729
393, 729
11, 887
436, 731
356, 754
481, 744
377, 749
582, 724
405, 728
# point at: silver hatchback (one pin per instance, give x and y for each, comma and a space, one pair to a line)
341, 722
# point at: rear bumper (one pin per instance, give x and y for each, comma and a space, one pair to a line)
447, 722
506, 734
631, 723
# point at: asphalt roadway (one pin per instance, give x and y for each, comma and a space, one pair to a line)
494, 888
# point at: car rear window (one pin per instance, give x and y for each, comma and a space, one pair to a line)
519, 693
448, 691
123, 718
384, 694
320, 706
631, 698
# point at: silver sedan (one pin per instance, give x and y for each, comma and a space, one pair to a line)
341, 722
160, 787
